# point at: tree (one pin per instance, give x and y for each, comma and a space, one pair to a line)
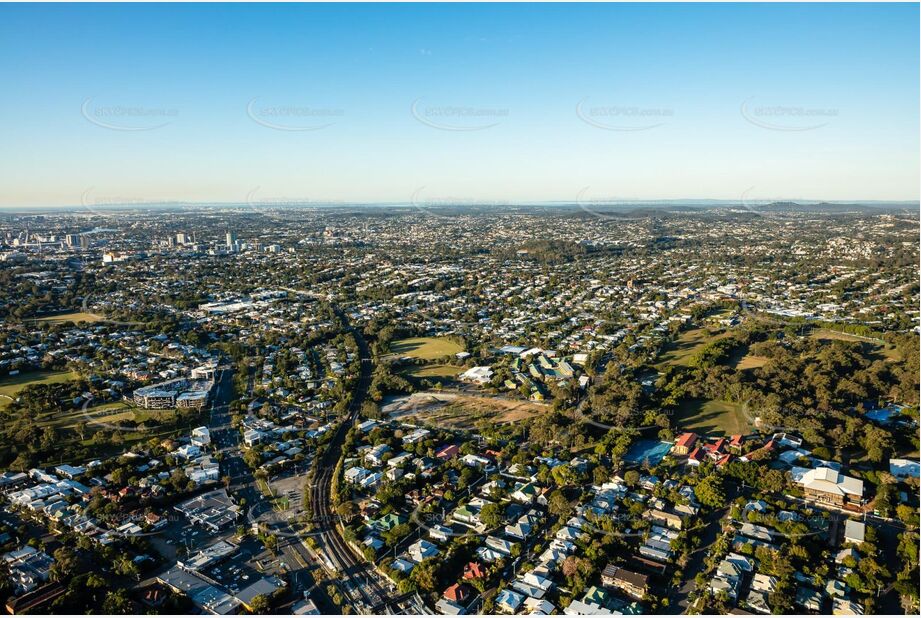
271, 542
491, 515
126, 567
558, 504
710, 491
347, 510
117, 602
425, 576
261, 604
907, 515
65, 561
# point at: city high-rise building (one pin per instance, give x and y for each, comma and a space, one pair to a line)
231, 239
72, 240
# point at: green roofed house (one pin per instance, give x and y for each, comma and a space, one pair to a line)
597, 596
526, 493
466, 515
388, 522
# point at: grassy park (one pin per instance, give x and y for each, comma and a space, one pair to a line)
873, 346
444, 372
680, 351
426, 348
10, 386
711, 416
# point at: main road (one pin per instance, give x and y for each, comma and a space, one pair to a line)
226, 440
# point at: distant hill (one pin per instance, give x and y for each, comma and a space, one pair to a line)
832, 207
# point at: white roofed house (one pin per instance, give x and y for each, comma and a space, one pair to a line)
508, 601
422, 549
201, 436
376, 455
831, 487
356, 474
501, 545
854, 532
476, 461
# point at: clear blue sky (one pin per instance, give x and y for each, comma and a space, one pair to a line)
810, 101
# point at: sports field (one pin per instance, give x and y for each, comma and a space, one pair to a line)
742, 359
448, 372
426, 348
110, 415
11, 385
712, 417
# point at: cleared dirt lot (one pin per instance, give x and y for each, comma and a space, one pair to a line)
460, 411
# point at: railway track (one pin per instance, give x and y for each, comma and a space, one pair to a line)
358, 579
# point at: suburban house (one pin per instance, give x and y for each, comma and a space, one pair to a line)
662, 517
854, 532
508, 601
634, 584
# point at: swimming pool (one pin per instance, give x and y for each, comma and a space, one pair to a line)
883, 415
652, 450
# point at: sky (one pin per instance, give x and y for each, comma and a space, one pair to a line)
137, 103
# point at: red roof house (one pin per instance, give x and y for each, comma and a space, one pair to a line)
684, 443
447, 452
458, 593
474, 570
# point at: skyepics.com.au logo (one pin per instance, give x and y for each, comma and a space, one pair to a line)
128, 118
292, 118
625, 118
458, 118
787, 118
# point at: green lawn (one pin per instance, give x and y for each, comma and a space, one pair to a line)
106, 415
426, 348
741, 359
679, 351
712, 417
11, 385
434, 371
887, 351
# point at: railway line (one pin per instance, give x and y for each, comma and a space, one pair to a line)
359, 580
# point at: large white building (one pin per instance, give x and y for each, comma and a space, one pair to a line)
178, 393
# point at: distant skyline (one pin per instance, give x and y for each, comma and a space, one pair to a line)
436, 104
